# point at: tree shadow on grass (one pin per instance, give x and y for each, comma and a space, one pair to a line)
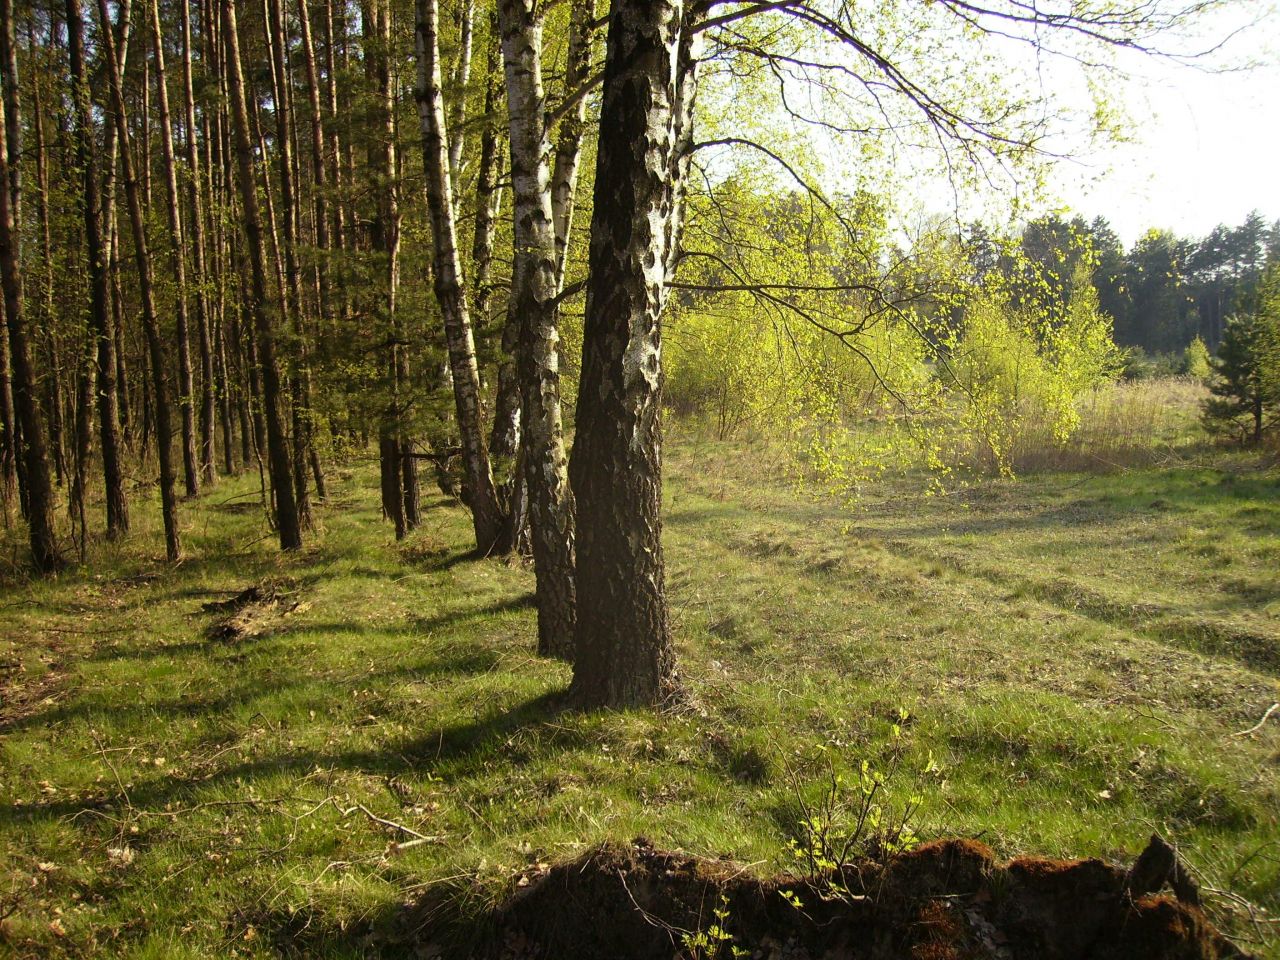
216, 702
451, 752
457, 618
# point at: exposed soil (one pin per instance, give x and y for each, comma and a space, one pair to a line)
946, 900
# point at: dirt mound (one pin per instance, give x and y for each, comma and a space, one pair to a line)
946, 900
253, 611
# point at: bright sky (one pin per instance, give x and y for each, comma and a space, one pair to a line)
1206, 146
1203, 143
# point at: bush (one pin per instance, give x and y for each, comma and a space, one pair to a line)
1195, 361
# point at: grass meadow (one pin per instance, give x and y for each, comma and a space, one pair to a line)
1058, 665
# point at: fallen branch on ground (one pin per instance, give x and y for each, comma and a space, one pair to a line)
1258, 726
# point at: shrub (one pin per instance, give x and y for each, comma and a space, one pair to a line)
1195, 361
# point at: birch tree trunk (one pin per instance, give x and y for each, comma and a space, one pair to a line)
624, 652
564, 172
460, 78
504, 439
39, 488
533, 303
277, 442
150, 322
447, 278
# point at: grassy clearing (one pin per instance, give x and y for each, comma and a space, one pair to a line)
1075, 653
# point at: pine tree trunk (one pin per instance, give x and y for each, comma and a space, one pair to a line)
99, 285
150, 322
392, 491
337, 224
112, 243
533, 303
195, 206
446, 276
384, 239
299, 375
8, 423
624, 652
39, 489
45, 320
409, 484
318, 172
277, 443
177, 261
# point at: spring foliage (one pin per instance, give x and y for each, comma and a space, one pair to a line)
813, 326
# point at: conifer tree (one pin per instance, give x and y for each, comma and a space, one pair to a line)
1246, 381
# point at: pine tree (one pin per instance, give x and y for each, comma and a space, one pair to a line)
1246, 385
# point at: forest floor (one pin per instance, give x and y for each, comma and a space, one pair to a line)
1060, 665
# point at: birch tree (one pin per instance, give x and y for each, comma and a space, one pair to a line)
447, 281
624, 652
535, 285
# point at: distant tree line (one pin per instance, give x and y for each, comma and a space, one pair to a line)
1162, 292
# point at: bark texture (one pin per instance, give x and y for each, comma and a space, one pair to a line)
624, 650
298, 365
564, 172
177, 261
150, 322
447, 280
533, 304
195, 220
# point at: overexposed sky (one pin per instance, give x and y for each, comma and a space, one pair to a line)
1205, 142
1201, 133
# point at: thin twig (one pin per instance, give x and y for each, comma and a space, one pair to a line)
1258, 726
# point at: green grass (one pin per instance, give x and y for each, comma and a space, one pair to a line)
1074, 651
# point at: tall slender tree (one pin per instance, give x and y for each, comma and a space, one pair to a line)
447, 281
39, 487
150, 321
177, 258
534, 291
117, 504
286, 511
299, 374
195, 221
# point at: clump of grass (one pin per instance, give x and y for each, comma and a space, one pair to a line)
1135, 423
1131, 423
